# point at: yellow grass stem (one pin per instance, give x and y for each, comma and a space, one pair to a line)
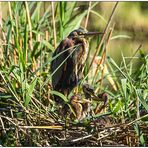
30, 34
53, 21
46, 35
58, 127
87, 17
9, 8
1, 50
102, 63
11, 17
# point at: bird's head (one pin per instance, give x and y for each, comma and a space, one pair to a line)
82, 33
77, 33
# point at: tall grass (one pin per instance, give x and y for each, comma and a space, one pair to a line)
28, 38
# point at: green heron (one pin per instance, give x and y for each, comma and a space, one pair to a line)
68, 61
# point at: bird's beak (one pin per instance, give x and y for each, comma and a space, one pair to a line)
92, 33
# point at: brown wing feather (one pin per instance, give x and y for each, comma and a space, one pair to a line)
57, 76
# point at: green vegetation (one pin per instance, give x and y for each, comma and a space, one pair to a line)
28, 114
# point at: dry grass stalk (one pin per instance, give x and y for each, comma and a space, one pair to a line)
3, 127
46, 35
82, 138
30, 34
103, 59
87, 17
29, 23
58, 127
11, 17
104, 35
53, 21
15, 56
0, 17
1, 50
19, 40
38, 62
10, 12
12, 40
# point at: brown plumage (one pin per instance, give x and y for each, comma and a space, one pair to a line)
74, 51
90, 95
68, 61
79, 106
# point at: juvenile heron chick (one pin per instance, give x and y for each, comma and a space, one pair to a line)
88, 91
79, 106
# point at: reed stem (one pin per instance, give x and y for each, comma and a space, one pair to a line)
104, 35
53, 21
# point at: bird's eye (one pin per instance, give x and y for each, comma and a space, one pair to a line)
75, 33
80, 33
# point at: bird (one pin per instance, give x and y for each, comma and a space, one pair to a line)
79, 105
104, 97
68, 61
89, 93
